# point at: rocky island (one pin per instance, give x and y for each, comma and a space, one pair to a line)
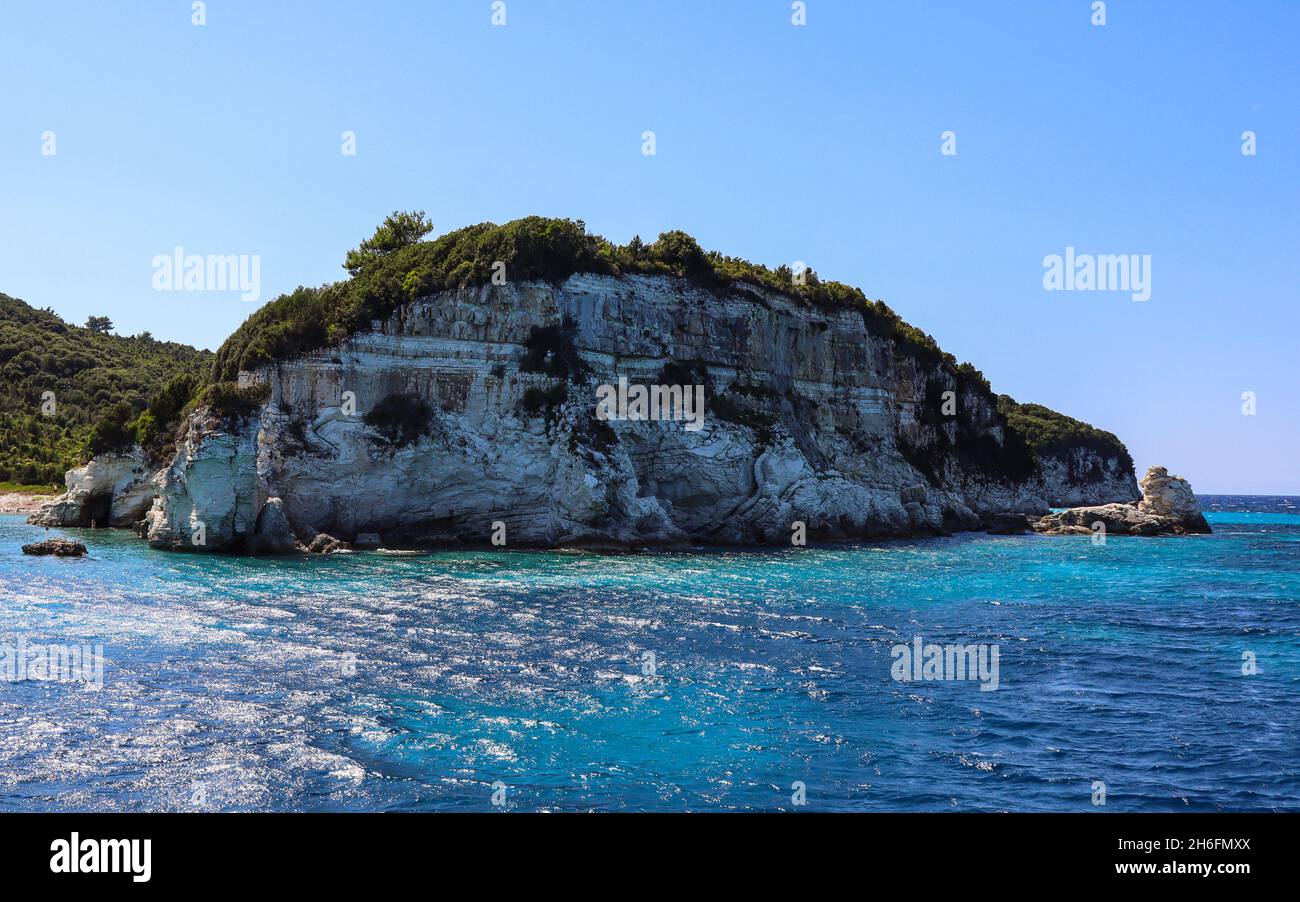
1168, 507
446, 392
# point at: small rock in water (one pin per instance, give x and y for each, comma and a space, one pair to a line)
324, 543
1008, 524
56, 547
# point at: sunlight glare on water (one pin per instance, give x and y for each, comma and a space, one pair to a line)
379, 682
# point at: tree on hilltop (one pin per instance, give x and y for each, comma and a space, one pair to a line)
398, 230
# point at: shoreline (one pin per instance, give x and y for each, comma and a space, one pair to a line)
599, 549
23, 502
400, 551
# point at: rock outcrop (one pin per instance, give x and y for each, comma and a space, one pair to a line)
471, 413
111, 490
271, 532
1171, 496
215, 471
56, 547
324, 543
1009, 524
1167, 507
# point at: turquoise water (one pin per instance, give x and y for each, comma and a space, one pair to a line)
374, 682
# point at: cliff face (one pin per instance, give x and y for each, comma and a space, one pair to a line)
477, 406
111, 490
1081, 476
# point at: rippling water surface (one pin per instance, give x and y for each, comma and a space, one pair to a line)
376, 682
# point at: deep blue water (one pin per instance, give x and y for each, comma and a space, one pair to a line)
228, 683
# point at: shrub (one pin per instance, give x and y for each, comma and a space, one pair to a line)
544, 400
233, 402
680, 253
111, 432
692, 372
397, 231
551, 350
401, 419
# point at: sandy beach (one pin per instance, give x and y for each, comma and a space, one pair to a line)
21, 502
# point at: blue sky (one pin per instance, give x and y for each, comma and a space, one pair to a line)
774, 142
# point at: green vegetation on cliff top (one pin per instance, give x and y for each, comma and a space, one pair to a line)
1047, 431
69, 391
396, 266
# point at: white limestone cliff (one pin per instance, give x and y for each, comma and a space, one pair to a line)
111, 490
812, 419
1168, 496
1082, 476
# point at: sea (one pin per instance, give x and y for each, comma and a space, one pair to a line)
1142, 674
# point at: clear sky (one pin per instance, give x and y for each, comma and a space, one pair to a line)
774, 142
